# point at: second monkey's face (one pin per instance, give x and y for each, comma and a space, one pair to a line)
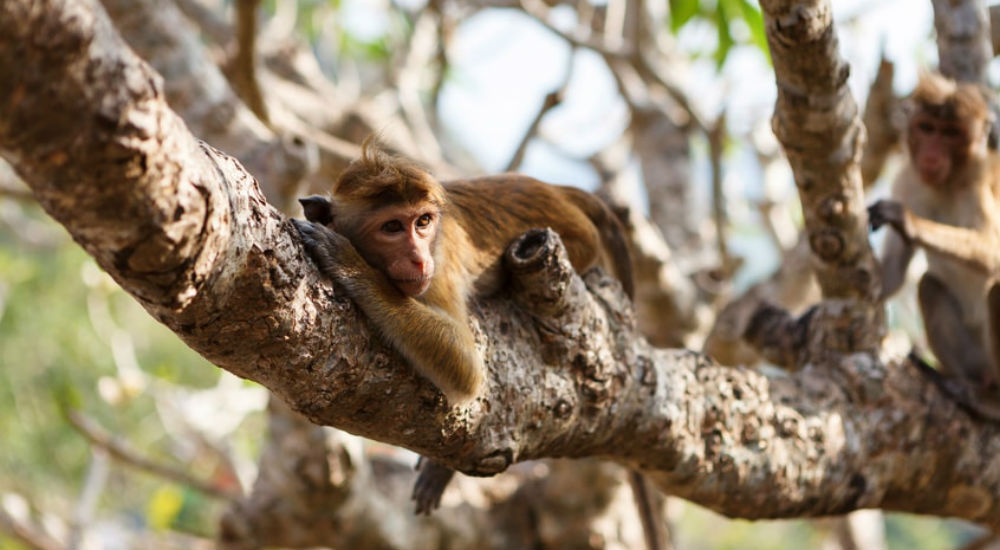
400, 240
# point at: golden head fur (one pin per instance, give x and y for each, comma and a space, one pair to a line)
943, 97
380, 178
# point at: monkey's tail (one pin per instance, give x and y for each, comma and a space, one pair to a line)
612, 233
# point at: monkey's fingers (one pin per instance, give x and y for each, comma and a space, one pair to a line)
317, 245
430, 485
876, 215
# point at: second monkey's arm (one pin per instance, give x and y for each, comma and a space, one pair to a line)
439, 346
971, 247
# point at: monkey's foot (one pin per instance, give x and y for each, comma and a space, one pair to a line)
430, 485
983, 405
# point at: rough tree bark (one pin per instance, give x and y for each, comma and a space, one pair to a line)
172, 47
186, 231
197, 89
881, 124
816, 120
965, 46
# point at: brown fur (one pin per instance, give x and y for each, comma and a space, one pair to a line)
948, 99
478, 220
470, 224
946, 201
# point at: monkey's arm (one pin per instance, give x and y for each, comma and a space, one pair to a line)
438, 345
896, 256
969, 246
897, 251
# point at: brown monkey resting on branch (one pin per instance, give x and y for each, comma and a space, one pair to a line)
947, 201
411, 252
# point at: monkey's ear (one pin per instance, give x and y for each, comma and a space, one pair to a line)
317, 209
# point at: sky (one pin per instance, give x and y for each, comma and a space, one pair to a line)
505, 63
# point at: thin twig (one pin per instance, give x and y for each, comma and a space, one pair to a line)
120, 450
716, 141
446, 28
423, 46
552, 99
215, 28
538, 10
616, 57
327, 143
244, 63
93, 486
27, 535
614, 23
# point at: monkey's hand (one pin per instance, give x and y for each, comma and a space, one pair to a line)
333, 253
430, 485
892, 213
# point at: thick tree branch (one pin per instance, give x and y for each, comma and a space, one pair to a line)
183, 228
816, 120
197, 89
965, 46
882, 130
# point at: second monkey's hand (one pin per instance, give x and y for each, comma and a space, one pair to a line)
891, 213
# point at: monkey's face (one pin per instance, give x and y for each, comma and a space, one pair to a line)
399, 240
939, 146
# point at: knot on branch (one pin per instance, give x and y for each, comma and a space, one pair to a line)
541, 270
827, 243
777, 336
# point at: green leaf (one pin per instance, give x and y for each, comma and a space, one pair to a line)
721, 18
681, 11
65, 393
755, 21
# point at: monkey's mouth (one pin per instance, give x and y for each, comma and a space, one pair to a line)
413, 287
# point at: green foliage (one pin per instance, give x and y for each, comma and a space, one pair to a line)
8, 543
62, 322
369, 50
723, 15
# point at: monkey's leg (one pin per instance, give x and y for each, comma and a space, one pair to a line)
975, 395
430, 485
993, 331
959, 350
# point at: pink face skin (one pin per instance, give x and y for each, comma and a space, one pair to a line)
938, 147
399, 240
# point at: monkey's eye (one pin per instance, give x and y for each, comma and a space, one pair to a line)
392, 226
951, 131
925, 126
424, 221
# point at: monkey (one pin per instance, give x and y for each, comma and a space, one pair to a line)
411, 252
947, 202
